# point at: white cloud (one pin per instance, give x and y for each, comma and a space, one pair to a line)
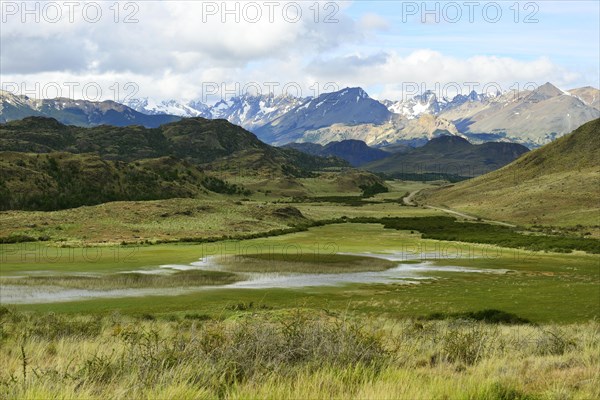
172, 51
371, 21
183, 32
431, 69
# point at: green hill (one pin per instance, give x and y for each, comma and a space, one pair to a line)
447, 157
197, 140
356, 152
60, 180
46, 165
557, 185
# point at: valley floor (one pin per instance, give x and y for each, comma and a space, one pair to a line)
380, 311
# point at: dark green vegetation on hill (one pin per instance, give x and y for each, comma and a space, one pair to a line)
197, 140
61, 180
555, 185
447, 157
47, 165
449, 229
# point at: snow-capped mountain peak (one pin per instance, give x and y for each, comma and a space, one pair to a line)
172, 107
350, 113
429, 103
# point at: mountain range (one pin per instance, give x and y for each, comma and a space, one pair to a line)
428, 103
446, 157
77, 112
532, 117
529, 117
249, 111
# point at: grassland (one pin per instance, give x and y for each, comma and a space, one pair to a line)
304, 263
131, 280
215, 216
138, 222
378, 340
329, 182
297, 354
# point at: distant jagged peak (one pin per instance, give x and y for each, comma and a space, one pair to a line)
11, 97
350, 92
427, 96
583, 88
544, 92
4, 93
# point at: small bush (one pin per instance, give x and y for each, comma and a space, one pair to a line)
465, 346
489, 316
17, 238
372, 190
197, 317
504, 392
52, 326
147, 317
554, 342
98, 369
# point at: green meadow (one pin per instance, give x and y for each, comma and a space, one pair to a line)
542, 286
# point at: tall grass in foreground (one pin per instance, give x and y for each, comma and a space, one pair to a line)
295, 354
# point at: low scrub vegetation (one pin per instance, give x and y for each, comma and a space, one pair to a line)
264, 354
373, 189
449, 229
352, 201
489, 316
57, 181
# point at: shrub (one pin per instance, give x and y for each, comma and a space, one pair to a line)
501, 391
53, 326
197, 317
372, 190
490, 316
465, 345
554, 342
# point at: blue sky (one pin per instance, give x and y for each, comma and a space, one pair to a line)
565, 31
178, 49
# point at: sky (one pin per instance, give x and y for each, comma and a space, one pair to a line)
211, 50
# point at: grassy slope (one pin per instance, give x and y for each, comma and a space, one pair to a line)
135, 222
558, 184
212, 215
